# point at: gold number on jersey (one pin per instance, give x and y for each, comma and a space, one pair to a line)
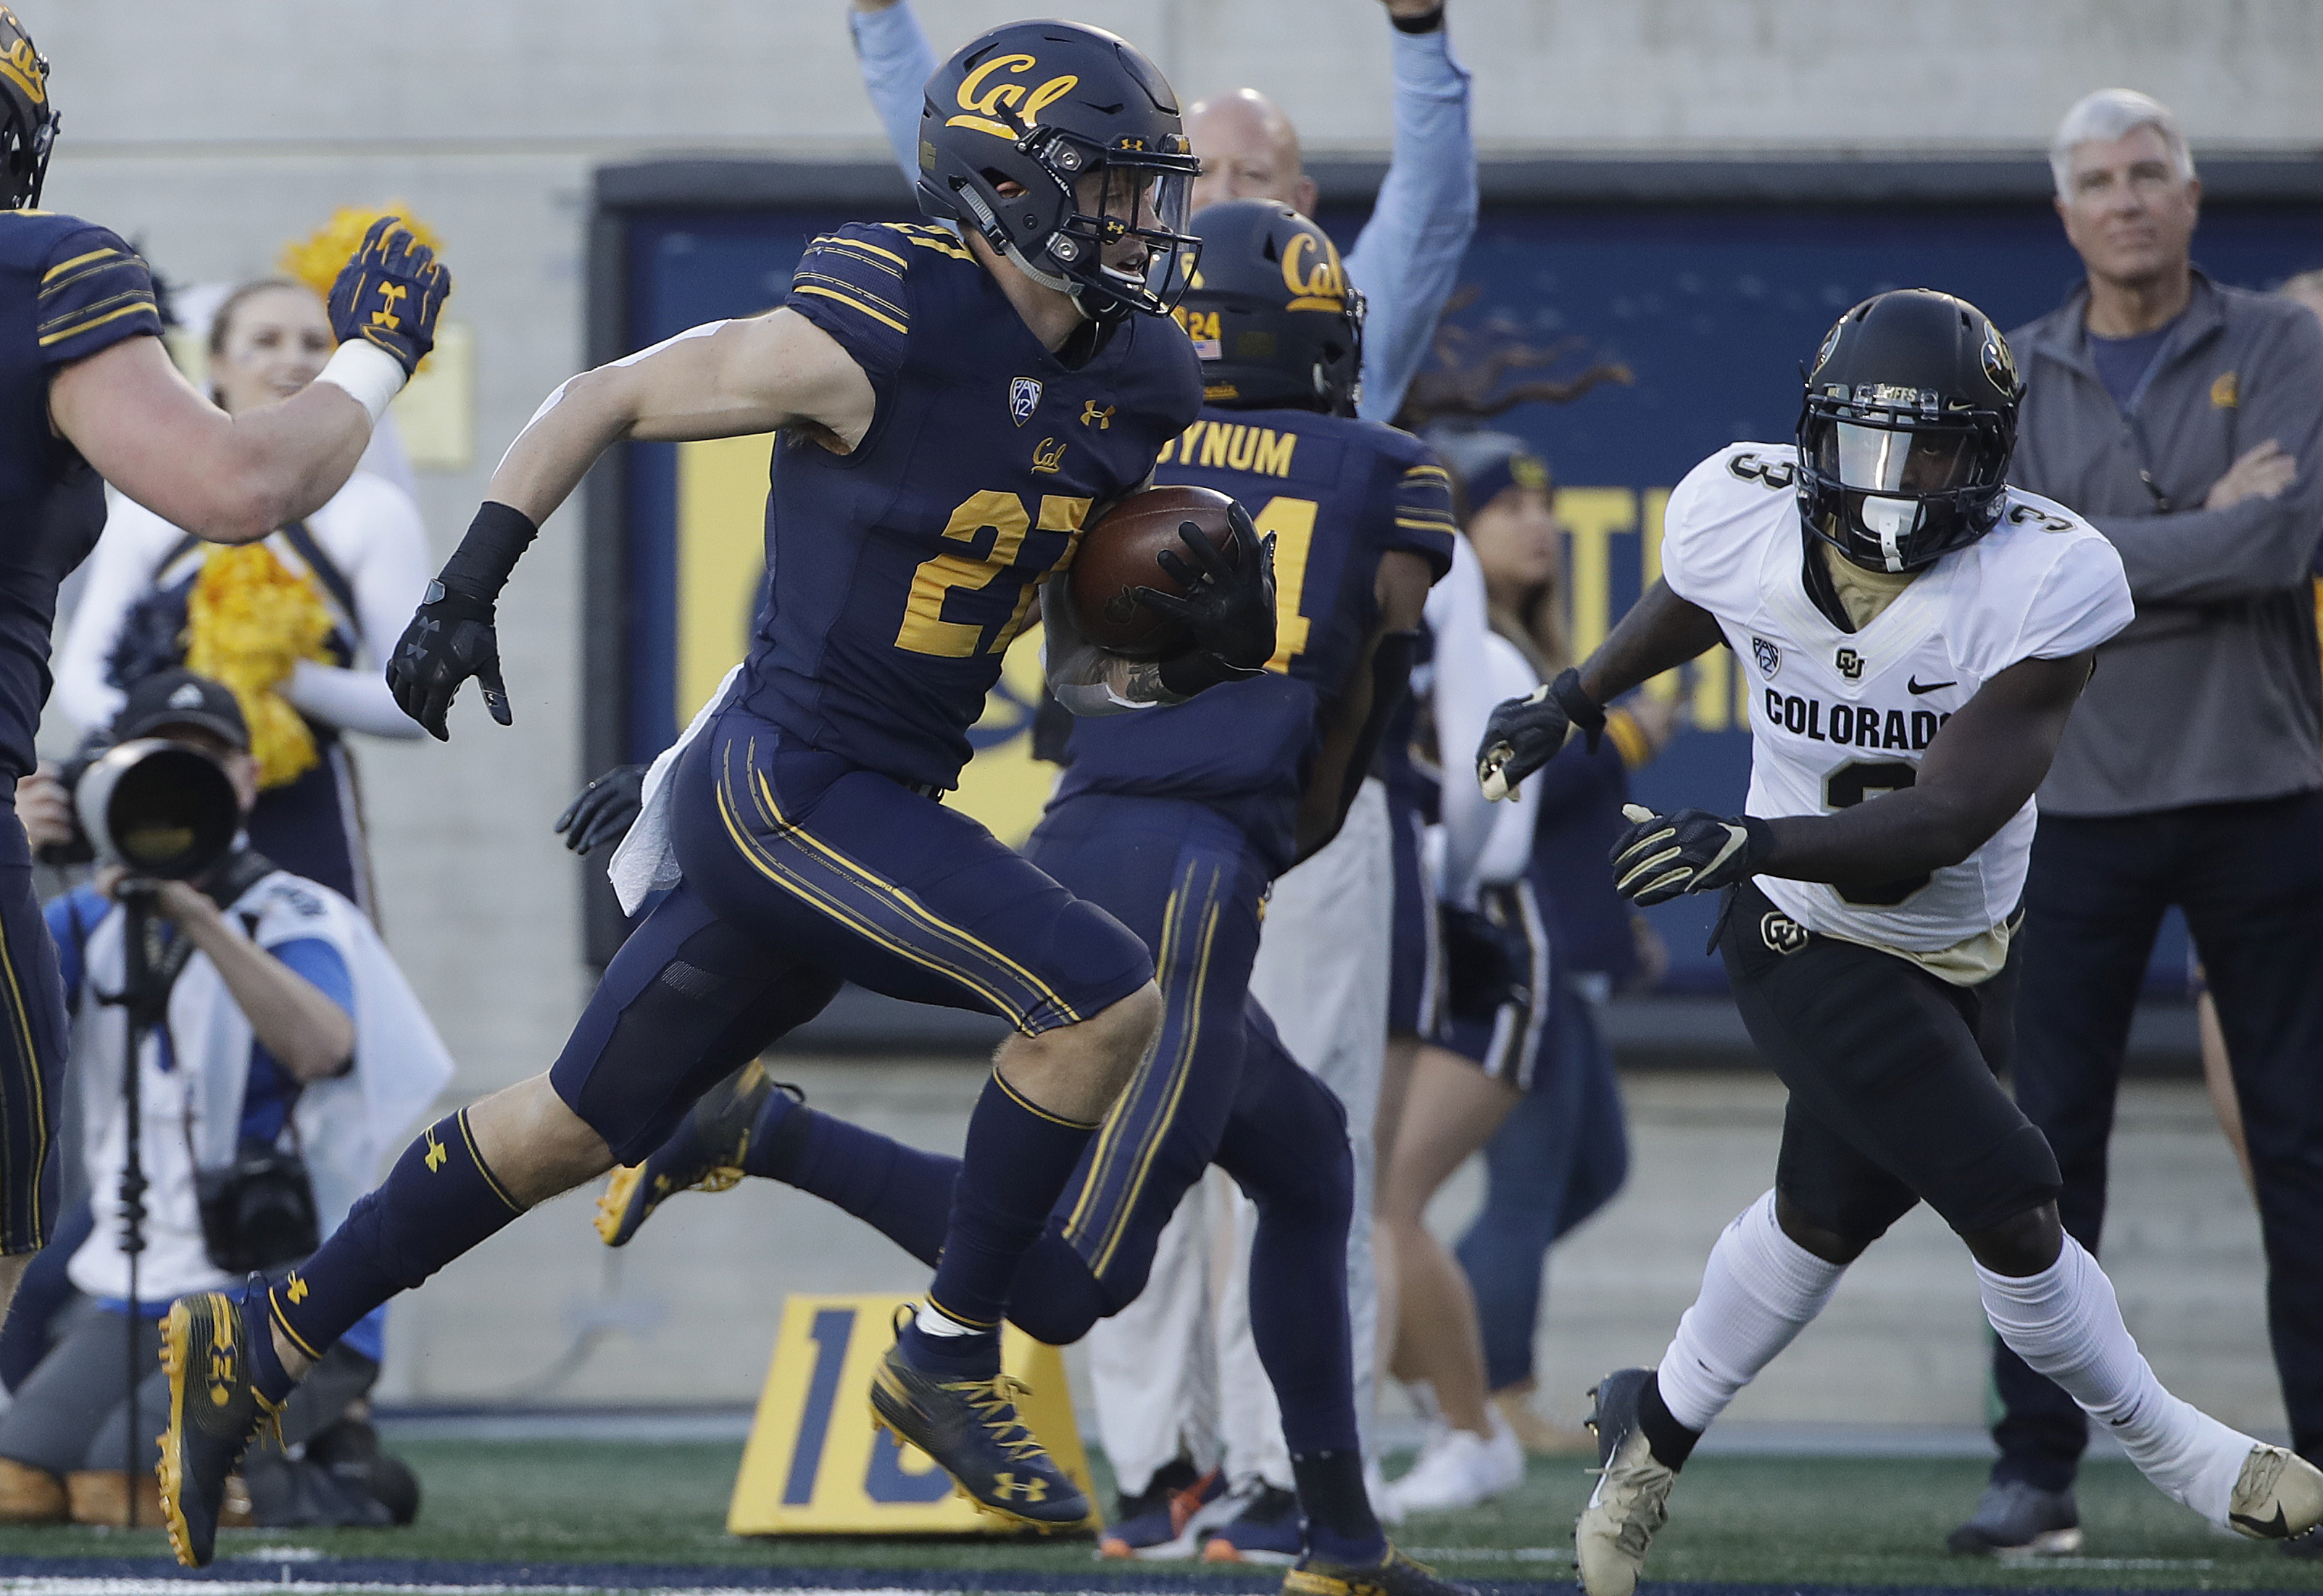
924, 629
1293, 522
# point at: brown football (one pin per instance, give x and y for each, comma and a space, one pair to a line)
1117, 557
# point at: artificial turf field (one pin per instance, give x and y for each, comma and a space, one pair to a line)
616, 1515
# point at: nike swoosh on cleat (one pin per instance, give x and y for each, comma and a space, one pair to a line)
1915, 686
2277, 1529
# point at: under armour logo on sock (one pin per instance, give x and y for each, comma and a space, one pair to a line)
437, 1157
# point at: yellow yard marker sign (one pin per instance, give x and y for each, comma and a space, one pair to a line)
814, 1465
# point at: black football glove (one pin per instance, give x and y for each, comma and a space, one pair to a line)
450, 639
1523, 734
605, 811
1229, 608
1661, 855
389, 293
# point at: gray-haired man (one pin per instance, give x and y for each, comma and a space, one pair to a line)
2182, 418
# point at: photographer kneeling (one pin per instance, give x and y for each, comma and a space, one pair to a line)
292, 1056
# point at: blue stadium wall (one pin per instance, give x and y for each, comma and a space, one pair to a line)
1709, 280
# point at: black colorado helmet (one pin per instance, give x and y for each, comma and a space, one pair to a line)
28, 125
1905, 436
1061, 144
1271, 312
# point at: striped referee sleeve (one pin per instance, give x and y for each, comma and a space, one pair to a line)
93, 292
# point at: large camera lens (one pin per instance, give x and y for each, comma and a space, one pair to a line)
160, 808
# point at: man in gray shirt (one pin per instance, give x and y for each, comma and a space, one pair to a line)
2182, 418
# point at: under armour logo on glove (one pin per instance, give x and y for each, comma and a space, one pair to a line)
450, 639
1660, 856
389, 292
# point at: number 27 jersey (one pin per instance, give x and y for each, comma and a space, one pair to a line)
1838, 717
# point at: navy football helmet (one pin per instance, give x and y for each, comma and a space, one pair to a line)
27, 123
1058, 141
1271, 311
1905, 434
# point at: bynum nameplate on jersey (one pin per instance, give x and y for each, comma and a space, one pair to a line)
814, 1465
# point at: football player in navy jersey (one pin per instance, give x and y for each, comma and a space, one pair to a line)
935, 387
1175, 820
87, 395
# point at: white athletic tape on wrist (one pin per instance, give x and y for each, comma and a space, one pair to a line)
368, 373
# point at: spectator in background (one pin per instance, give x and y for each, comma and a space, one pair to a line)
290, 1031
2182, 418
1522, 1047
298, 625
1322, 963
2218, 1070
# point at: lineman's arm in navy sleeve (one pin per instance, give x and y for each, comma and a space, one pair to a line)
896, 65
1407, 258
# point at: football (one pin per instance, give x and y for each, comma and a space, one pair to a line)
1116, 556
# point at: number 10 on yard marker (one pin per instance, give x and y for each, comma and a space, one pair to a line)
815, 1464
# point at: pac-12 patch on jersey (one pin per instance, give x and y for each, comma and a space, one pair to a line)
1853, 712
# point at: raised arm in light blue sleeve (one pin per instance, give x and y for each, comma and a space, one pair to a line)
1407, 258
896, 65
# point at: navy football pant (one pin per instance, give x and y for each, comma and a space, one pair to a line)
803, 871
1217, 1086
32, 1031
2250, 879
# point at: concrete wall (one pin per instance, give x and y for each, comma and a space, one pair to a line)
212, 134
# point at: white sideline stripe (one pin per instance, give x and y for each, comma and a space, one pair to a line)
38, 1586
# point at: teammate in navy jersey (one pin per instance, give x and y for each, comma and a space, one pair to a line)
87, 395
1176, 820
952, 403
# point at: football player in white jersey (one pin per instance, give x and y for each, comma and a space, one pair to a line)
1917, 633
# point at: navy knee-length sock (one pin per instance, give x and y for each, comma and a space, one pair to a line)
902, 1193
439, 1201
1015, 1164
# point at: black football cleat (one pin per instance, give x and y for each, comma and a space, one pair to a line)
2015, 1518
214, 1413
972, 1429
1393, 1575
704, 1153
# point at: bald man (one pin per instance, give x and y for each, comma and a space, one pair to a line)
1407, 258
1186, 1415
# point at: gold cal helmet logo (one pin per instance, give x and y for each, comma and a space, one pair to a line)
984, 101
1321, 286
22, 65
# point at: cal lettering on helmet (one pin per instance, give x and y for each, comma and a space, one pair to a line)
1324, 288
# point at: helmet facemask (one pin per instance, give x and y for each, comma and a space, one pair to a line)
1106, 227
1894, 480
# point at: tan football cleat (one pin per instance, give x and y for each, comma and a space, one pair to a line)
1632, 1495
2277, 1495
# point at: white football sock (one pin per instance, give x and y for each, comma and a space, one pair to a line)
1758, 1291
933, 1320
2066, 1323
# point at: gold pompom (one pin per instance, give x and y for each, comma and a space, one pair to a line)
249, 622
317, 259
